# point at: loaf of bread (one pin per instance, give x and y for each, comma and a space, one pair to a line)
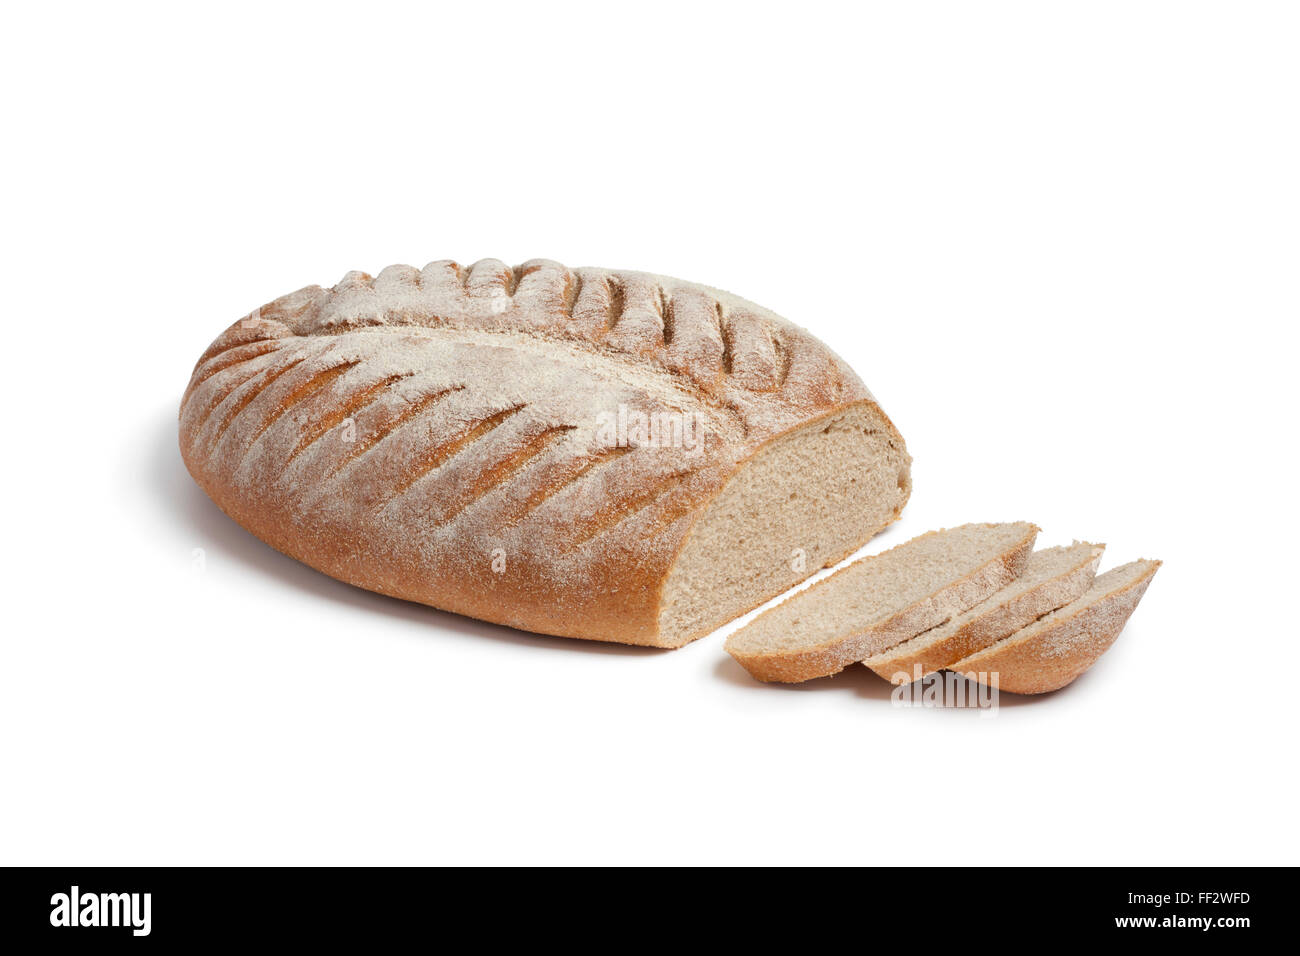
582, 452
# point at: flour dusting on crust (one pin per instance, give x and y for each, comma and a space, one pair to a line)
411, 424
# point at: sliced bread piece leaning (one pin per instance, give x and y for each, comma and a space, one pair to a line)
1053, 651
1052, 578
880, 601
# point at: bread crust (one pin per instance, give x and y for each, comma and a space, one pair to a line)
440, 434
1052, 653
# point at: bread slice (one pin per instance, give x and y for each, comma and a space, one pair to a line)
878, 602
584, 452
1052, 577
1053, 651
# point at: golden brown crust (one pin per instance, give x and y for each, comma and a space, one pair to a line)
441, 434
1051, 653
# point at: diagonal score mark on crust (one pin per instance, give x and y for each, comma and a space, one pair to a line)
668, 317
223, 393
783, 357
314, 384
728, 338
550, 490
616, 303
433, 458
251, 394
572, 289
375, 437
611, 517
507, 468
265, 346
355, 404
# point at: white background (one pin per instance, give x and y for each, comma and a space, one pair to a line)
1058, 241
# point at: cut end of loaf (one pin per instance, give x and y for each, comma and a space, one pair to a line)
880, 601
803, 502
